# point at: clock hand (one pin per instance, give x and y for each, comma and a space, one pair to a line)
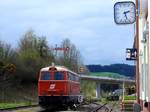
127, 11
125, 16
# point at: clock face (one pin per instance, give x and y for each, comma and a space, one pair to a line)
124, 12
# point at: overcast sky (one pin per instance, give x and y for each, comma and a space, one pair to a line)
89, 24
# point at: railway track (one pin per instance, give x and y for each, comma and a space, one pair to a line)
86, 106
99, 107
93, 106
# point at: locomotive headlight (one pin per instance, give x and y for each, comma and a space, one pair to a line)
52, 69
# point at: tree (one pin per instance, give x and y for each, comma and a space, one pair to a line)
33, 54
7, 56
7, 69
70, 58
28, 41
6, 52
31, 41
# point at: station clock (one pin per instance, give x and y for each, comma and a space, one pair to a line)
124, 12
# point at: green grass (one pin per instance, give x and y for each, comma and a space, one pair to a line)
11, 105
106, 74
129, 97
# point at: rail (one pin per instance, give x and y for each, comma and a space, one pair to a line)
93, 106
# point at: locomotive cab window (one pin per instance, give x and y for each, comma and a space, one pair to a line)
73, 77
45, 76
59, 76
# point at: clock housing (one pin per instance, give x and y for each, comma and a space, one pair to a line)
124, 12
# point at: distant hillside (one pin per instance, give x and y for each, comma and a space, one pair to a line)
122, 69
106, 74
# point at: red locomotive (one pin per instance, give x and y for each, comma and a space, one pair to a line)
58, 87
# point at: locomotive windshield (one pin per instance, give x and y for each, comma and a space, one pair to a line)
59, 76
45, 76
52, 75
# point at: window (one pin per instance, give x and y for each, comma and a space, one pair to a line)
77, 79
59, 76
70, 76
45, 76
73, 77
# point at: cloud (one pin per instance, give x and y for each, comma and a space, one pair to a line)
88, 23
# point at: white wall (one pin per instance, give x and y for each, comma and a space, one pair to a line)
144, 62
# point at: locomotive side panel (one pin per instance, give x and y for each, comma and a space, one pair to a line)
74, 88
74, 84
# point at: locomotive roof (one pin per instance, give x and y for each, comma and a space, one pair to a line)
59, 68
